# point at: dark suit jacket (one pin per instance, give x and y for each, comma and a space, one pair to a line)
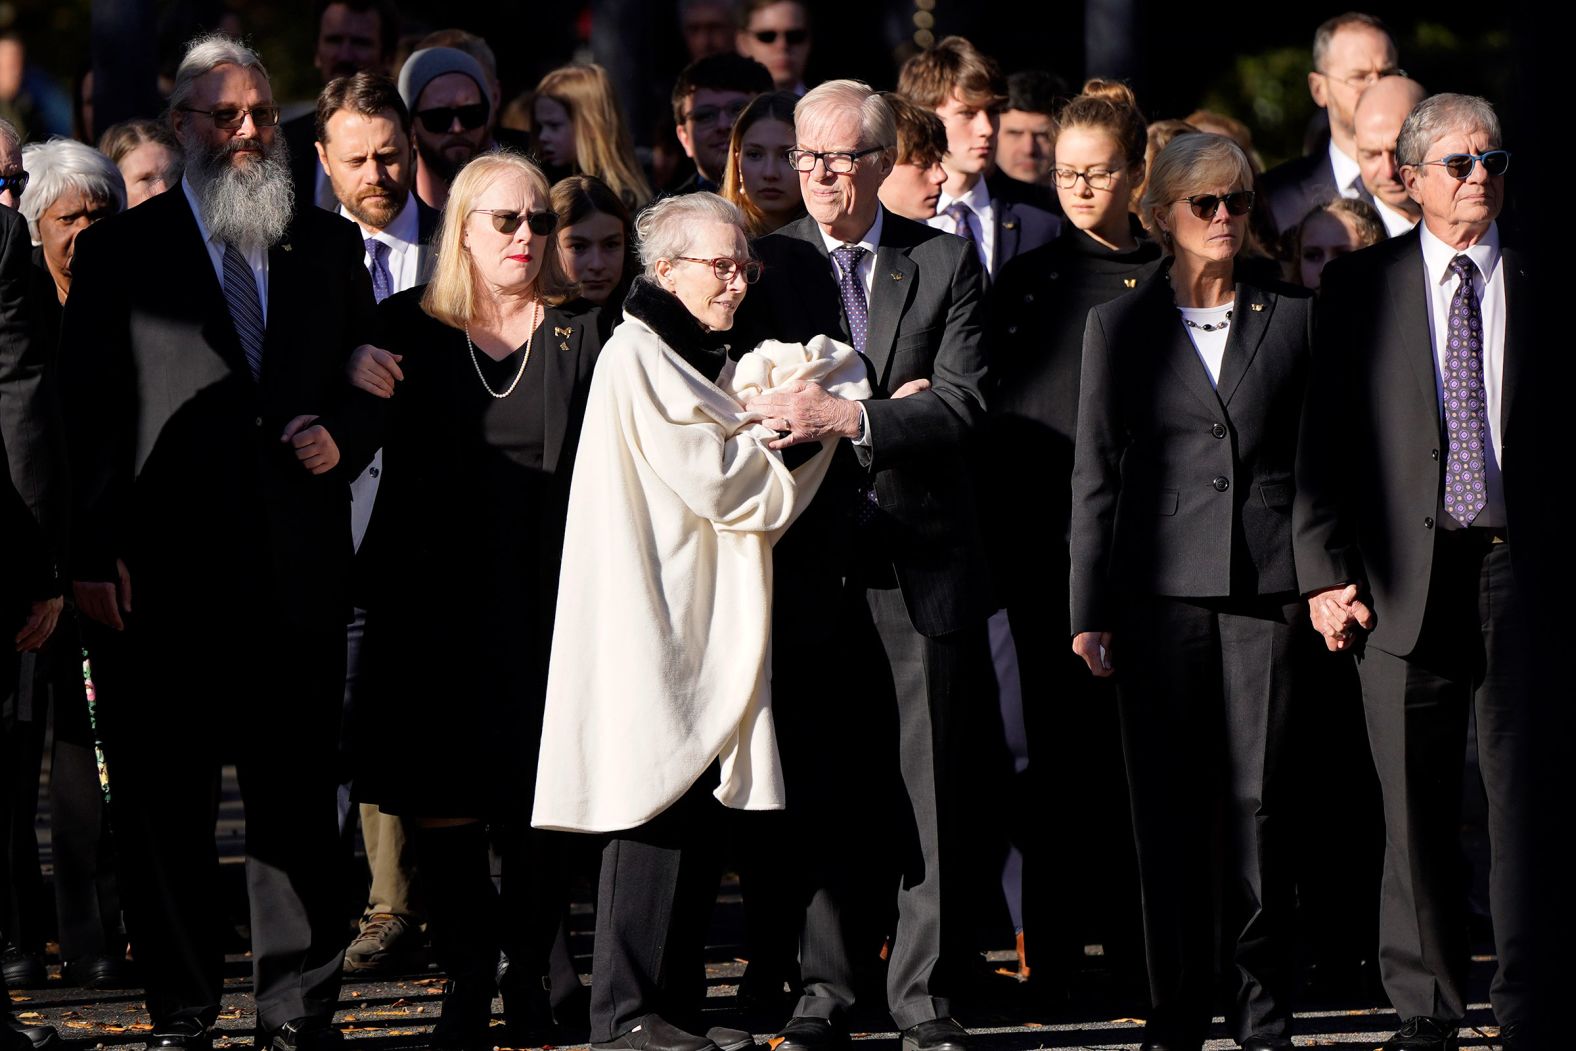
1181, 489
926, 321
26, 564
301, 138
1370, 470
177, 463
1021, 228
1295, 188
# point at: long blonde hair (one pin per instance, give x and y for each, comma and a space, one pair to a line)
454, 295
603, 146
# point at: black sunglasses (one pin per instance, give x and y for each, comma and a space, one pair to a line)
440, 118
16, 182
1204, 205
1460, 165
507, 222
230, 118
795, 37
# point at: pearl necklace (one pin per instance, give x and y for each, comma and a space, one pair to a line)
524, 361
1219, 326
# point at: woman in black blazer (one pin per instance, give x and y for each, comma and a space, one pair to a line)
459, 576
1183, 586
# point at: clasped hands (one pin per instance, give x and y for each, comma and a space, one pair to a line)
808, 413
1336, 612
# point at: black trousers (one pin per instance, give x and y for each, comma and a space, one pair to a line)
1205, 690
657, 886
1475, 653
180, 700
868, 758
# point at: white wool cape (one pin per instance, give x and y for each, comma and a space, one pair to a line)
661, 649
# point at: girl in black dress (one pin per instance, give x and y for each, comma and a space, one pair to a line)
460, 570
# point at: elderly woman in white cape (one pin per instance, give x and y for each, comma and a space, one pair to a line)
658, 690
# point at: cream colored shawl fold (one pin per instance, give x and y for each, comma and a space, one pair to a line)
662, 643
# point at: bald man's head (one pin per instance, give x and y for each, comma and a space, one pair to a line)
1380, 112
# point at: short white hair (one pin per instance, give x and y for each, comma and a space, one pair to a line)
1431, 119
8, 133
666, 229
203, 56
65, 164
837, 98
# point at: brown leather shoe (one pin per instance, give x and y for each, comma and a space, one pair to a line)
387, 944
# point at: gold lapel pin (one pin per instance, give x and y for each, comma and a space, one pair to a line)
1008, 224
561, 332
1130, 282
285, 246
563, 346
897, 275
1258, 306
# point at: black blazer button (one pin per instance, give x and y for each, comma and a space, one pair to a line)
1012, 330
1221, 483
1218, 430
1428, 523
259, 421
1434, 453
1028, 297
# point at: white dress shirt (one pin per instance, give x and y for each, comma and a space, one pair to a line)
1395, 223
1489, 283
865, 271
1211, 346
1348, 176
402, 236
256, 257
981, 217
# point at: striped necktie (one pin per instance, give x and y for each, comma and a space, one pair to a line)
246, 307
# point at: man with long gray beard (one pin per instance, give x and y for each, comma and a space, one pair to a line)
212, 439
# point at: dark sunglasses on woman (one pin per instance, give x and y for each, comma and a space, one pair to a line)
440, 118
1204, 205
506, 221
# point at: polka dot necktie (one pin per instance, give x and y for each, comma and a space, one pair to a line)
382, 280
1466, 401
853, 293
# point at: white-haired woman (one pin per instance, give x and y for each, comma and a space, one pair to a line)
70, 187
1183, 587
488, 378
657, 694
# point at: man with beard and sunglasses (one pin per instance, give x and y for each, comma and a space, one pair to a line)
352, 36
364, 148
446, 91
211, 439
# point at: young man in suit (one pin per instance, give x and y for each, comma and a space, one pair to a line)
966, 90
212, 437
1419, 543
1350, 52
885, 567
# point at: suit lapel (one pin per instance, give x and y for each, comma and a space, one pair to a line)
1518, 327
1167, 331
1407, 288
1250, 319
891, 287
1008, 229
218, 329
283, 277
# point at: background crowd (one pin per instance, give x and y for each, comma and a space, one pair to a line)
1140, 531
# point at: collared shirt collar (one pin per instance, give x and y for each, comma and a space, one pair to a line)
1395, 223
1348, 176
1437, 255
402, 233
977, 198
196, 206
870, 242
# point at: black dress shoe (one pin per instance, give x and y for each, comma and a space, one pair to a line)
653, 1033
181, 1040
301, 1034
1513, 1038
97, 972
730, 1039
19, 1036
23, 970
938, 1034
1422, 1033
809, 1033
1268, 1043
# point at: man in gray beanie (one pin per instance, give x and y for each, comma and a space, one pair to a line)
446, 92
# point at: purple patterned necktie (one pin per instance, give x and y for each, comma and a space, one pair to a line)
959, 213
382, 280
853, 293
1466, 401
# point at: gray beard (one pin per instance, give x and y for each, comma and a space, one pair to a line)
248, 206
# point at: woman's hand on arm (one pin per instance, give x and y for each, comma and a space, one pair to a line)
374, 370
1095, 649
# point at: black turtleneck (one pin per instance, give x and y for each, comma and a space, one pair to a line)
703, 349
